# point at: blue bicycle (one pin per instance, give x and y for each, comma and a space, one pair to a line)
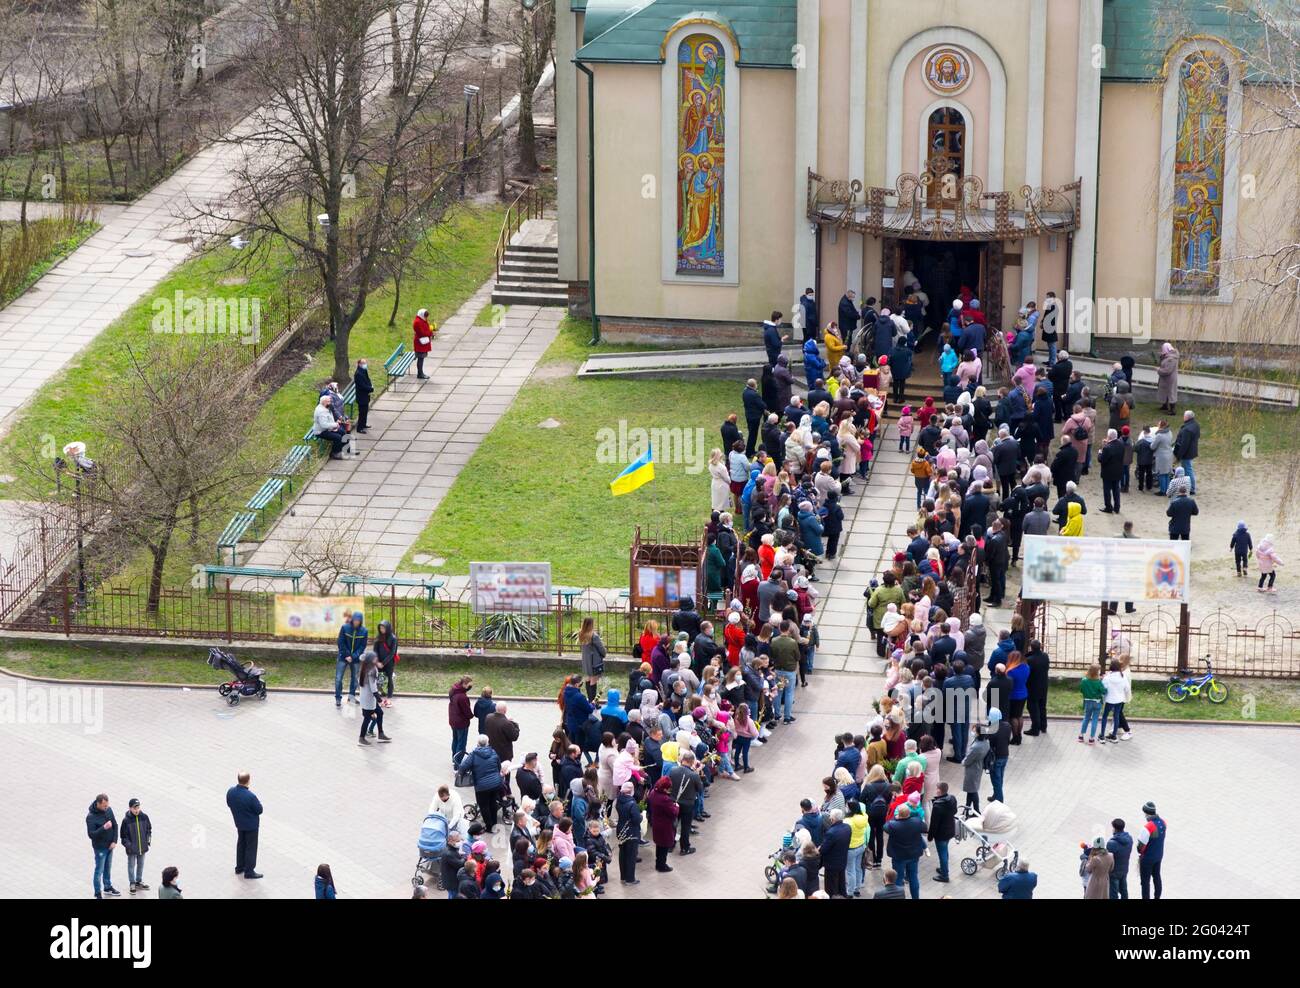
1181, 687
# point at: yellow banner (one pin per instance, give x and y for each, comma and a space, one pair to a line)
300, 616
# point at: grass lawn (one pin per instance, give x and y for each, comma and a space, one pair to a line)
1248, 700
14, 283
68, 407
87, 172
1224, 429
543, 494
128, 664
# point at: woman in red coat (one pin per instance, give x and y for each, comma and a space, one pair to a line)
663, 821
423, 341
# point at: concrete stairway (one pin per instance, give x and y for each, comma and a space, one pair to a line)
529, 270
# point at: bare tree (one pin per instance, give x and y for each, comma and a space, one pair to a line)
327, 550
531, 29
178, 449
331, 164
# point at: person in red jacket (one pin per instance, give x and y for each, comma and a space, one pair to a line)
459, 716
423, 341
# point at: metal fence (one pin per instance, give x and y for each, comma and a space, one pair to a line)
248, 614
32, 561
1268, 647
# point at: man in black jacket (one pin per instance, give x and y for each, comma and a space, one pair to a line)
974, 511
361, 379
1059, 374
1006, 457
848, 317
1062, 507
773, 338
755, 411
1064, 463
997, 557
1039, 666
816, 395
101, 828
943, 827
997, 693
1110, 459
1187, 446
731, 433
686, 618
451, 863
1180, 513
685, 787
774, 438
137, 834
629, 834
246, 810
530, 783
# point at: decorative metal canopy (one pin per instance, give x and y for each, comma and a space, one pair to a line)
938, 205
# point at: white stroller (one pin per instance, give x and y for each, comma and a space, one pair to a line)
988, 831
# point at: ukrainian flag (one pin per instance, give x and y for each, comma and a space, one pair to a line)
638, 473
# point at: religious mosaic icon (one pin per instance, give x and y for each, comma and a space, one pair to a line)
1199, 163
701, 141
947, 71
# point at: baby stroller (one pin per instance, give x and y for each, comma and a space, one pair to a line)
431, 843
989, 852
247, 681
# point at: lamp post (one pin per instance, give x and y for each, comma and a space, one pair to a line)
470, 93
76, 452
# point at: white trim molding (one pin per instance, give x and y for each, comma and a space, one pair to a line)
855, 246
1034, 129
806, 61
1168, 151
968, 141
1087, 139
668, 125
997, 124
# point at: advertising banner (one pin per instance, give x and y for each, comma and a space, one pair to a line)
523, 587
1090, 571
300, 616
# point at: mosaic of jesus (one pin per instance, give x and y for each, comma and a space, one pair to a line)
700, 158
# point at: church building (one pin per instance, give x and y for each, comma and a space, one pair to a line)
716, 159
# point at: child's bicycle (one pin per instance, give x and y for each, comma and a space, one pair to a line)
1181, 687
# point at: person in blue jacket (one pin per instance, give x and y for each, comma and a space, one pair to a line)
325, 883
577, 710
1241, 545
246, 810
485, 765
814, 367
773, 339
810, 529
811, 821
1120, 846
352, 643
1019, 884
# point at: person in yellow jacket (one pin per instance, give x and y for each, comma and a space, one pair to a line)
835, 347
1074, 520
859, 827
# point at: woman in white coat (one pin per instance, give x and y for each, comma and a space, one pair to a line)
720, 482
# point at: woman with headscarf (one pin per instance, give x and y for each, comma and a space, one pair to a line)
1167, 378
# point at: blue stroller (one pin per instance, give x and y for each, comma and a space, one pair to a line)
431, 843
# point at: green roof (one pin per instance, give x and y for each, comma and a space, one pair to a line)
634, 30
1137, 34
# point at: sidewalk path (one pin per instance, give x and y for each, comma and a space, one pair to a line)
137, 247
421, 434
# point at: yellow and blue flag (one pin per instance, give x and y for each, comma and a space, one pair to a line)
638, 473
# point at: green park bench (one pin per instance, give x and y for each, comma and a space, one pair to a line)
260, 501
233, 532
567, 595
430, 586
292, 463
212, 572
350, 399
398, 363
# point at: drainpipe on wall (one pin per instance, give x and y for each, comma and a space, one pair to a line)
591, 200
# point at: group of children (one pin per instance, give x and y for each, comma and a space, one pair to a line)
1265, 555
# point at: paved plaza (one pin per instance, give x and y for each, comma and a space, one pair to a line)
359, 809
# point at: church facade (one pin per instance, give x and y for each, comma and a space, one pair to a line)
715, 160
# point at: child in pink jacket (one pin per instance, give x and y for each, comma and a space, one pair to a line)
1268, 560
905, 426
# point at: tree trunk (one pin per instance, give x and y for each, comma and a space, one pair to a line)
395, 32
159, 553
527, 138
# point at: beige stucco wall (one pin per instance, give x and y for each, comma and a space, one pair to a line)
1128, 218
628, 225
975, 98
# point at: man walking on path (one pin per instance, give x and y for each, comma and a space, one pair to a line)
101, 828
137, 834
246, 809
